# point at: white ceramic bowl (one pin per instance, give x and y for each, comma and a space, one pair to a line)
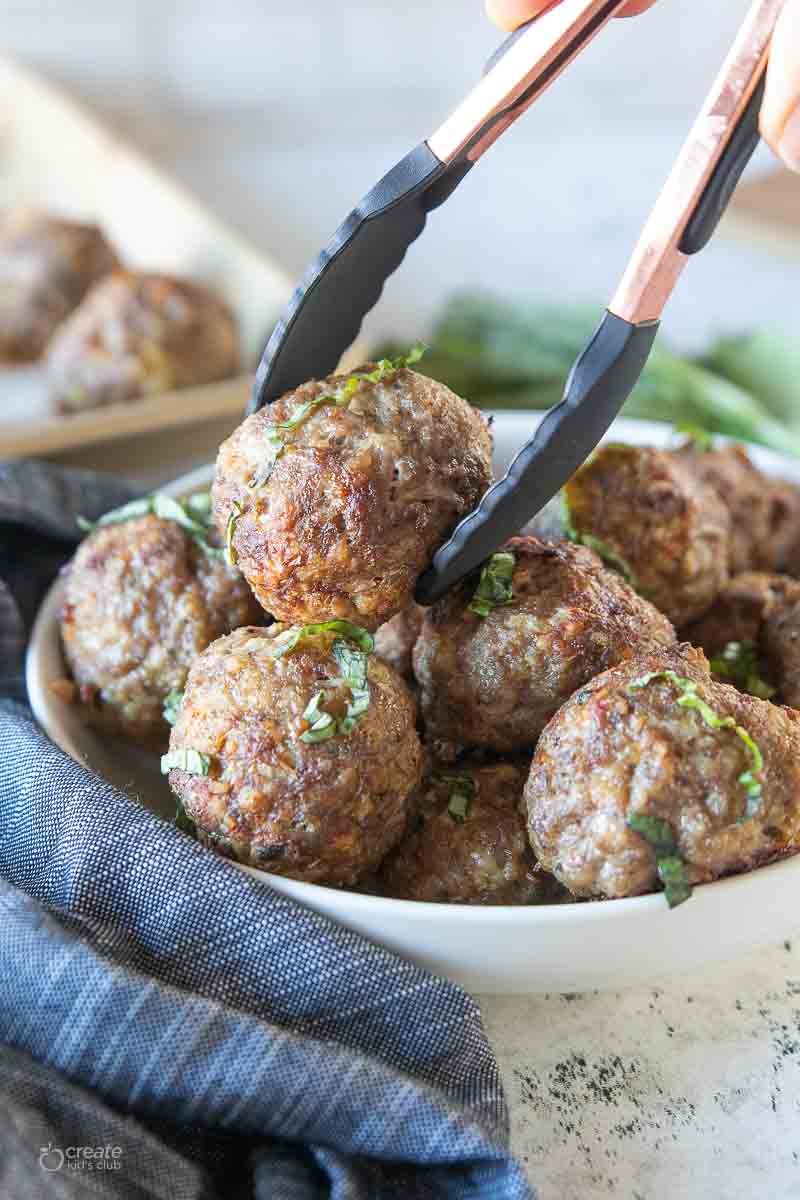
491, 950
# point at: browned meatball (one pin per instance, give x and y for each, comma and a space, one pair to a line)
657, 742
46, 267
753, 635
496, 680
136, 335
470, 846
648, 514
284, 789
141, 600
394, 641
337, 515
765, 512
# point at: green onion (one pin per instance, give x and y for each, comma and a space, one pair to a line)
672, 870
172, 704
699, 439
748, 779
739, 663
494, 588
183, 513
339, 396
190, 761
323, 724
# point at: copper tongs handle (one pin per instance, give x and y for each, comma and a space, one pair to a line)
721, 141
522, 70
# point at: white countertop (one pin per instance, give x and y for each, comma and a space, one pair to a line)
687, 1090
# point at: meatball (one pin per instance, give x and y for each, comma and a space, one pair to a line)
765, 512
46, 267
336, 496
290, 783
136, 335
648, 514
394, 641
752, 634
496, 680
654, 752
141, 599
470, 846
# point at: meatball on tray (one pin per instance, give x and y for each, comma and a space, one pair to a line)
493, 917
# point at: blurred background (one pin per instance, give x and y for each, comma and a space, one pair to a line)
279, 117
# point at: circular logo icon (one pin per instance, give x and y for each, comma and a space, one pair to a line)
51, 1158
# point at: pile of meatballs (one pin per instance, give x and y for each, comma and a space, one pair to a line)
551, 730
105, 334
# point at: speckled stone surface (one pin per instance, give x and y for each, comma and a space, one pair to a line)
688, 1089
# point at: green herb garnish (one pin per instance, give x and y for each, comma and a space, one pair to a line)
230, 529
739, 663
462, 790
193, 515
340, 396
672, 870
183, 821
172, 704
351, 651
689, 699
190, 761
289, 638
494, 588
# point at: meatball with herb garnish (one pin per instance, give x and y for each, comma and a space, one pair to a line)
46, 267
136, 335
649, 516
294, 750
334, 498
654, 775
147, 590
498, 655
470, 845
752, 636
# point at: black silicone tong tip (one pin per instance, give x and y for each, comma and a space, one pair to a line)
325, 312
600, 382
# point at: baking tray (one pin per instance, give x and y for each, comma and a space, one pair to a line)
57, 157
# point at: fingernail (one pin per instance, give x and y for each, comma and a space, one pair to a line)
789, 145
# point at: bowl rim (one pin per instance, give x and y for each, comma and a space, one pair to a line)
44, 635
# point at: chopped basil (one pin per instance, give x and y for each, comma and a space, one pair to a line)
190, 761
739, 663
289, 638
339, 396
462, 790
351, 651
230, 528
172, 704
748, 779
672, 870
494, 588
193, 515
183, 821
323, 724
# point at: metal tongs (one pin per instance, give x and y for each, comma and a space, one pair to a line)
326, 311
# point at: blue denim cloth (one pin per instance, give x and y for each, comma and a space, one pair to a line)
155, 999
